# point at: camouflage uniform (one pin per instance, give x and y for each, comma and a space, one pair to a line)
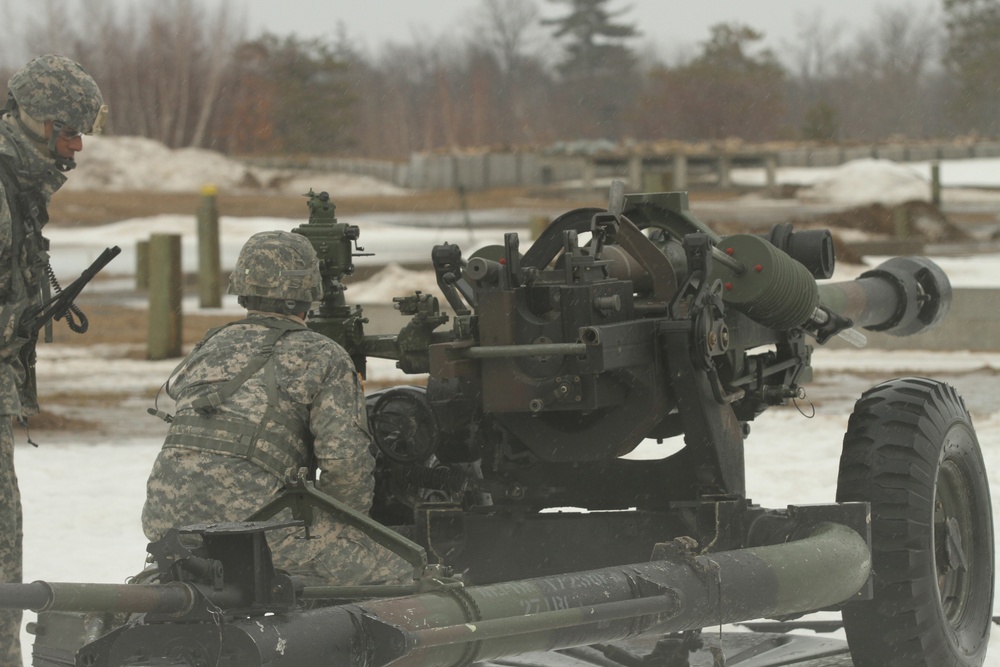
224, 457
29, 175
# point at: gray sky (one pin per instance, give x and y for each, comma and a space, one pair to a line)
667, 23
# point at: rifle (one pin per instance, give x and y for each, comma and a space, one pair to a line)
60, 305
36, 317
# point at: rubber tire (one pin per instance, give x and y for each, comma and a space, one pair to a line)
910, 446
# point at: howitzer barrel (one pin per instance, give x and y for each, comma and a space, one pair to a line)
583, 608
128, 598
452, 627
902, 296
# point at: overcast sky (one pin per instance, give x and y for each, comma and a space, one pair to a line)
371, 23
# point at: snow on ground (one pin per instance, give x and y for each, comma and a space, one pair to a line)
870, 181
74, 248
83, 493
136, 163
863, 182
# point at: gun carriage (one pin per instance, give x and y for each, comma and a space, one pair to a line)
630, 327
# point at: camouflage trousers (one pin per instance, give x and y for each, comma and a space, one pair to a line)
336, 555
10, 544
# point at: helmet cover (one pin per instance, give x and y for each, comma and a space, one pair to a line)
55, 88
277, 265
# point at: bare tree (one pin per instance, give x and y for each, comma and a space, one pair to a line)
184, 72
813, 57
732, 89
510, 28
161, 66
218, 61
816, 47
509, 32
881, 80
971, 55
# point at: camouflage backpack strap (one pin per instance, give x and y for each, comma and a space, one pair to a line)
209, 431
29, 267
210, 402
163, 414
273, 415
9, 183
29, 213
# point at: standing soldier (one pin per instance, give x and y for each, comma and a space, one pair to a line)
51, 102
258, 397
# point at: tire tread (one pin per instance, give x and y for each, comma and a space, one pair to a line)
890, 458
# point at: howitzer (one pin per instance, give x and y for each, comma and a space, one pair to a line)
630, 325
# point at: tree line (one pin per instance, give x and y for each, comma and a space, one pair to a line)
187, 74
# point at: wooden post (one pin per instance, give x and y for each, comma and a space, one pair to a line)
635, 173
209, 291
165, 290
936, 184
725, 164
900, 222
680, 176
142, 265
770, 170
657, 181
589, 173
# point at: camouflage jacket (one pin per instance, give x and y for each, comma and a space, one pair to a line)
33, 178
321, 404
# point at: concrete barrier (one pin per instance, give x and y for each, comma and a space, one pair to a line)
476, 171
856, 153
985, 149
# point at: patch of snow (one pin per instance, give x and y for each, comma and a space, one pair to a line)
74, 248
869, 181
968, 180
393, 281
122, 164
967, 173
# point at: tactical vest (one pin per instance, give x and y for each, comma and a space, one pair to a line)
275, 443
29, 273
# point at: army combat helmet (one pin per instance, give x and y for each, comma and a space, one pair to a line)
277, 272
55, 88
